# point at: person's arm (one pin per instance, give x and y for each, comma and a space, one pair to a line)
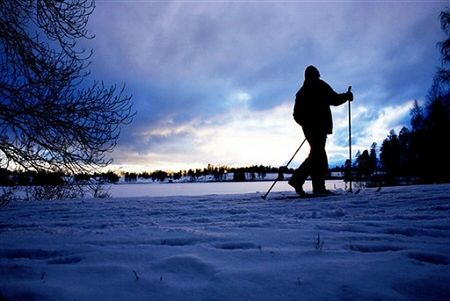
333, 98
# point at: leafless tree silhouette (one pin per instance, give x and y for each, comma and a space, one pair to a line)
51, 119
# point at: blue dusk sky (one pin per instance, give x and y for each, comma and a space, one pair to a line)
215, 81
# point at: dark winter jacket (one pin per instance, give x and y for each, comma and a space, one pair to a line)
312, 106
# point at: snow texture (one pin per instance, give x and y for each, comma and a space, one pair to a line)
387, 245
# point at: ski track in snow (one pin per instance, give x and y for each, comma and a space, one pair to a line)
387, 245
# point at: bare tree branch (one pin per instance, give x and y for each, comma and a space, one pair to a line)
50, 119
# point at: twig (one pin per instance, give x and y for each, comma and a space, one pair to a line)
136, 275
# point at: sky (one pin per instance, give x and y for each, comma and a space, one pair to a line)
214, 82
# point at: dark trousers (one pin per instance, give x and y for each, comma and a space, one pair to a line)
316, 164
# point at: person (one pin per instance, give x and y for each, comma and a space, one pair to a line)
312, 112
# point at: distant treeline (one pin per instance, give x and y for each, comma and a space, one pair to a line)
217, 173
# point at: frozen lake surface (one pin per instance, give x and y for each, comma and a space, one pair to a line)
197, 189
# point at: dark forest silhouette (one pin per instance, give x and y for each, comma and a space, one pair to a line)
418, 154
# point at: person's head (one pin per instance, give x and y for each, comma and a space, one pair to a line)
311, 73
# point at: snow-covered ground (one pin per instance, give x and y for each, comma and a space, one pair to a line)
387, 245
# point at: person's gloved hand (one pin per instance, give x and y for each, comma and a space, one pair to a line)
349, 96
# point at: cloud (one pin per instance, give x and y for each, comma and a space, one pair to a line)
200, 72
370, 124
240, 136
246, 137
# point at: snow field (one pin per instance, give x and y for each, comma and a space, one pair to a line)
388, 245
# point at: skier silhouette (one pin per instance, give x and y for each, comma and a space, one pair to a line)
312, 112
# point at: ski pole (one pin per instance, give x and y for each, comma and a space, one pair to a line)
276, 180
350, 138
